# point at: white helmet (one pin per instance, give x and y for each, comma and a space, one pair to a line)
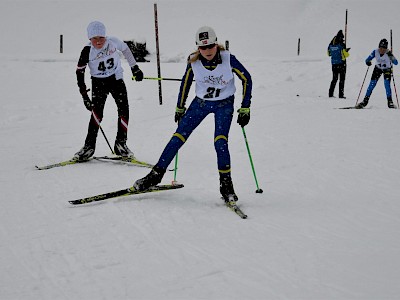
205, 36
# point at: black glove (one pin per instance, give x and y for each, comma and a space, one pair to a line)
85, 97
244, 116
137, 73
368, 63
179, 112
390, 54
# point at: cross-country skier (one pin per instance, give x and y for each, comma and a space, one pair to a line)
102, 56
213, 68
338, 52
383, 65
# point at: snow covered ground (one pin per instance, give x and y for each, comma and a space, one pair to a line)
327, 225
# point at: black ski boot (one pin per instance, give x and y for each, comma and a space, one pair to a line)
226, 188
85, 153
153, 178
390, 102
120, 148
363, 104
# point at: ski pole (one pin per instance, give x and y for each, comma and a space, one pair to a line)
175, 168
102, 131
394, 83
395, 90
259, 191
362, 85
98, 123
162, 78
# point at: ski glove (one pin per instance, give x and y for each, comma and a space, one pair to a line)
137, 73
244, 116
179, 112
86, 100
368, 63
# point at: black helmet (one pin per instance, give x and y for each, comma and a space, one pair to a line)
383, 44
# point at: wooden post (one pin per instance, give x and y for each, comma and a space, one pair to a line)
298, 47
345, 29
61, 43
158, 53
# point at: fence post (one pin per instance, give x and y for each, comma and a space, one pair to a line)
61, 44
298, 47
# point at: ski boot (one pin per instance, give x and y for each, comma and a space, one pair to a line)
153, 178
363, 104
120, 148
226, 189
85, 153
390, 102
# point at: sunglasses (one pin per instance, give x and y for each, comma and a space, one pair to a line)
207, 47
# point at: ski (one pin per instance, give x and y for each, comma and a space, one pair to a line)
130, 160
233, 207
353, 107
347, 107
236, 209
126, 192
61, 164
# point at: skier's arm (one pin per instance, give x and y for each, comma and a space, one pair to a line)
80, 76
186, 83
81, 67
369, 58
392, 58
245, 77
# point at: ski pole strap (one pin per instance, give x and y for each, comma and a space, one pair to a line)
180, 110
244, 111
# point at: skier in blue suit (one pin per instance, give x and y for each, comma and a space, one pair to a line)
384, 60
213, 69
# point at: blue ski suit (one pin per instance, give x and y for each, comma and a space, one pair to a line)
200, 107
383, 66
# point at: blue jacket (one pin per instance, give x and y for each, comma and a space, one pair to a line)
338, 53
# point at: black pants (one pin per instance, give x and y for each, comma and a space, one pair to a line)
101, 87
338, 72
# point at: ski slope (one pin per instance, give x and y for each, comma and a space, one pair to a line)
327, 225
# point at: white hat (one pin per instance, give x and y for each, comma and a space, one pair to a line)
205, 36
96, 28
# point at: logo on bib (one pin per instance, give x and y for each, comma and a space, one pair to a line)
214, 80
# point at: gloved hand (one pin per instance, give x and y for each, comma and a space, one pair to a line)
390, 54
137, 73
179, 112
368, 63
244, 116
85, 97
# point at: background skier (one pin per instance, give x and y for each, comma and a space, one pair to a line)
102, 56
383, 65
